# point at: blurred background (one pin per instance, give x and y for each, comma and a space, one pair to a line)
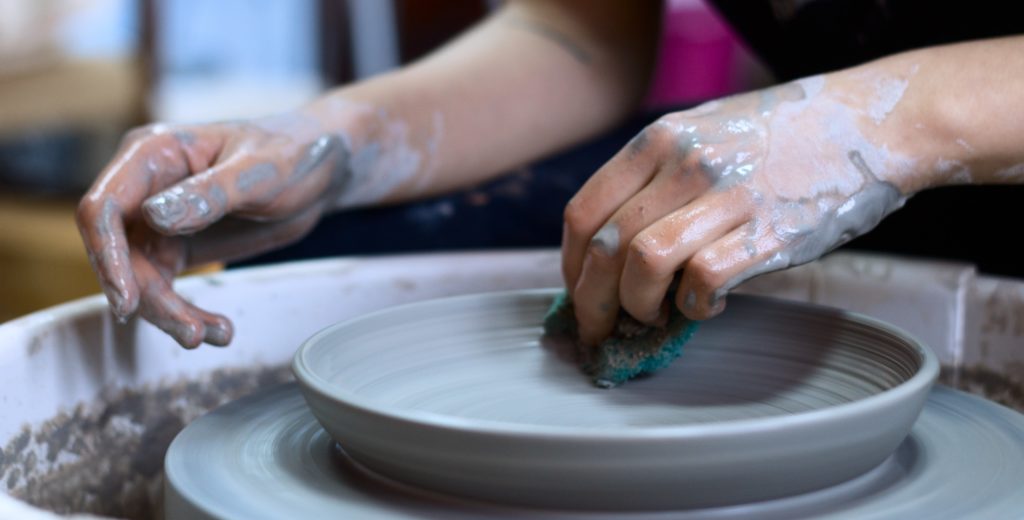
76, 74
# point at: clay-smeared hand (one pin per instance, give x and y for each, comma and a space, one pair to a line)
180, 196
723, 192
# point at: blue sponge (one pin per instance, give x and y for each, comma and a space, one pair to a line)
633, 348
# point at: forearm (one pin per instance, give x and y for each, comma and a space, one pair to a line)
535, 77
952, 114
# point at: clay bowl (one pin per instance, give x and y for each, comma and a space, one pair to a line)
463, 396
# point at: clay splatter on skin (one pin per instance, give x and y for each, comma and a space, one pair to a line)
255, 176
265, 180
954, 172
886, 92
326, 148
1014, 173
378, 169
691, 300
370, 168
433, 146
388, 160
607, 239
855, 216
218, 197
889, 92
106, 457
370, 165
787, 92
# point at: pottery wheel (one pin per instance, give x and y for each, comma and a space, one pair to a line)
265, 456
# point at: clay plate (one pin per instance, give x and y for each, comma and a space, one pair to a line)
463, 396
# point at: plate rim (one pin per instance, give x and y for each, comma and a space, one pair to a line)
310, 381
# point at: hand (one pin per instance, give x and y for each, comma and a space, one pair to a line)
726, 191
176, 196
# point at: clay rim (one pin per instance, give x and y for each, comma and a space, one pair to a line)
926, 374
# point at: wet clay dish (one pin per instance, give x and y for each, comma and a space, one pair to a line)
465, 397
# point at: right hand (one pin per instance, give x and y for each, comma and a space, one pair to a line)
734, 188
179, 196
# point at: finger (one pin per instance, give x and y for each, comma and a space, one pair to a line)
657, 252
189, 325
140, 165
103, 234
612, 185
714, 270
232, 238
596, 294
247, 186
595, 304
197, 201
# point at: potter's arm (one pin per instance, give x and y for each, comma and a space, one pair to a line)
534, 77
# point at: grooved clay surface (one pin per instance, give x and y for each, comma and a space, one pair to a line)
464, 396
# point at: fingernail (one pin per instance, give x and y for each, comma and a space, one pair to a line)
178, 211
118, 305
218, 335
165, 209
188, 335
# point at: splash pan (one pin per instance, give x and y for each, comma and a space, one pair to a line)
463, 396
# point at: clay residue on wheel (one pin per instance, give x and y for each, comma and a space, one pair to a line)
106, 457
1000, 387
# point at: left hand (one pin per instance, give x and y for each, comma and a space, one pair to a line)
180, 196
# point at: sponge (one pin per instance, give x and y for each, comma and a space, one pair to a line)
632, 350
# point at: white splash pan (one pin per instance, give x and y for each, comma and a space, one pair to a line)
55, 359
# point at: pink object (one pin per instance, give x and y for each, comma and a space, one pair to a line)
696, 56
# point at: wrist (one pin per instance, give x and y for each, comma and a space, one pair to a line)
931, 128
329, 130
901, 114
389, 153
